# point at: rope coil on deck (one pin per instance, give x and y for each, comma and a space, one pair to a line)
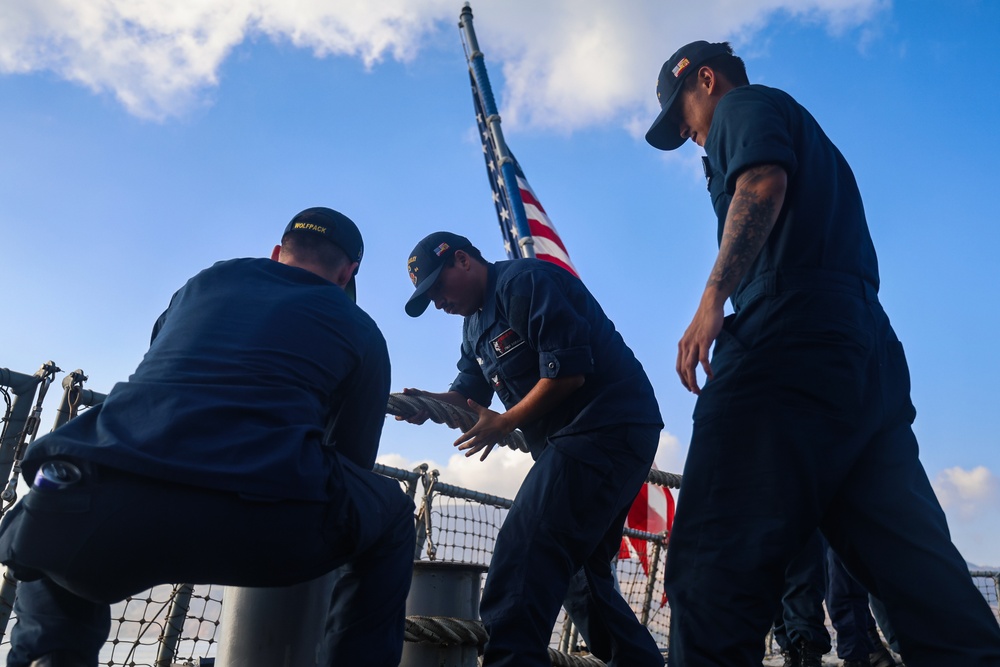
447, 631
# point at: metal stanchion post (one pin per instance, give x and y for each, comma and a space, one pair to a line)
448, 591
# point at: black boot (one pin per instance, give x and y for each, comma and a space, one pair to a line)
809, 655
881, 656
803, 654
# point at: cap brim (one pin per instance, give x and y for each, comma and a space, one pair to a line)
418, 301
663, 133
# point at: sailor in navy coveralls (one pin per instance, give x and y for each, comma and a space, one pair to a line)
535, 336
805, 418
238, 453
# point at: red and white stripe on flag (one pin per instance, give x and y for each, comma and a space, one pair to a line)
548, 246
652, 511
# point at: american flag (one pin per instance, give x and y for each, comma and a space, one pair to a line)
547, 244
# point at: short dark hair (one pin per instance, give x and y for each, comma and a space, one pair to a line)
470, 250
728, 65
312, 248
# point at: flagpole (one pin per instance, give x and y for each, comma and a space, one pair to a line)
477, 67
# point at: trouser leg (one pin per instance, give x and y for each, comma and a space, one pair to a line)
577, 604
804, 430
882, 621
50, 618
891, 533
773, 432
579, 487
847, 601
726, 563
366, 622
76, 537
629, 642
76, 540
802, 599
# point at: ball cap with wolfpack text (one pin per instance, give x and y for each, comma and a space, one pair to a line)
664, 133
425, 264
336, 227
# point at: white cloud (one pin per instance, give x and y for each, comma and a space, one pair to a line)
504, 469
670, 454
567, 64
967, 493
500, 474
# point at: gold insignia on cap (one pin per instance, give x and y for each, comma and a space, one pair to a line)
412, 269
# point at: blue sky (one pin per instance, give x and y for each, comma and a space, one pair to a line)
140, 142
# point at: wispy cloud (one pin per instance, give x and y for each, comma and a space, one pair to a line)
567, 63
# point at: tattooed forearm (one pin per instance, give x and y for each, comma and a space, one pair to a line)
760, 192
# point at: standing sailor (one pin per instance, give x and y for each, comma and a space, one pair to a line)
806, 407
535, 336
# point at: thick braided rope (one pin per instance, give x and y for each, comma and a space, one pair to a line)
661, 478
453, 416
446, 631
405, 405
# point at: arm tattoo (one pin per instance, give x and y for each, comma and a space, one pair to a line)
752, 214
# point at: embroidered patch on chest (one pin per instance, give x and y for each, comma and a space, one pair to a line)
506, 342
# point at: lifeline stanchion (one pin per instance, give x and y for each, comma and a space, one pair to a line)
27, 434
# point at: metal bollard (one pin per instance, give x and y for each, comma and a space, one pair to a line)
274, 627
443, 590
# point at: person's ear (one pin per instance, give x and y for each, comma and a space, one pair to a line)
346, 273
276, 252
707, 79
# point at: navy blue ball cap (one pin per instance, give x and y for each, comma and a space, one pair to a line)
336, 227
425, 264
663, 133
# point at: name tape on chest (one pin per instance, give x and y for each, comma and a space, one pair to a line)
505, 342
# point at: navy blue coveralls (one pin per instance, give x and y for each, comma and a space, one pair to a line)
592, 454
238, 453
807, 423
